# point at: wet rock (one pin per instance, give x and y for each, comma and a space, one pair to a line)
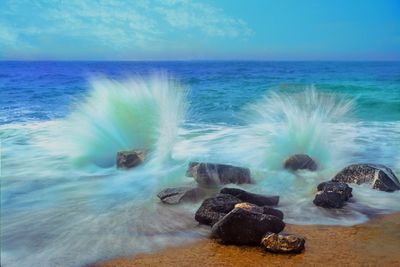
214, 208
210, 174
332, 194
244, 227
176, 195
264, 209
130, 159
283, 243
244, 196
378, 176
300, 162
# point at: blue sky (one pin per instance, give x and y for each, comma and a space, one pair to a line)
194, 29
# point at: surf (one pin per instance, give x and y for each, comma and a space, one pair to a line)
301, 122
134, 113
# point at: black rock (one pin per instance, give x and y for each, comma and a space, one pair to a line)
130, 159
274, 212
214, 208
264, 209
244, 196
332, 194
210, 174
283, 243
180, 194
378, 176
300, 162
243, 227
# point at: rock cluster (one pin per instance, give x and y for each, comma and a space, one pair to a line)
378, 176
214, 208
335, 193
332, 194
237, 222
240, 217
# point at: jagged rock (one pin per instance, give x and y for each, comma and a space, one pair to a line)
244, 196
378, 176
300, 162
214, 208
130, 159
332, 194
243, 227
180, 194
283, 243
263, 209
210, 174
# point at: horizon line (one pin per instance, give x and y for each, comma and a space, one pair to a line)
199, 60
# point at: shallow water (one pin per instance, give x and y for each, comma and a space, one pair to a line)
64, 204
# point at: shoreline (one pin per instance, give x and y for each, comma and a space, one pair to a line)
373, 243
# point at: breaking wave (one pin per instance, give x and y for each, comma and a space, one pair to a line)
135, 113
304, 122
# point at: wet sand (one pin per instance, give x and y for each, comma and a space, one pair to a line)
376, 243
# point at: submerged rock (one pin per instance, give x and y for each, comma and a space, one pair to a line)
332, 194
300, 162
130, 159
265, 209
244, 227
210, 174
214, 208
180, 194
244, 196
378, 176
283, 243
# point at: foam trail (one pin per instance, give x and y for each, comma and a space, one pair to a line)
135, 113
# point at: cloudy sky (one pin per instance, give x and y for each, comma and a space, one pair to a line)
200, 29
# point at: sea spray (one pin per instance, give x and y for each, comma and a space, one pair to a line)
301, 122
54, 213
134, 113
277, 126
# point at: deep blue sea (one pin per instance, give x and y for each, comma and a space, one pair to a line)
63, 203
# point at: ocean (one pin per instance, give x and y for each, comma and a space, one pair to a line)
63, 202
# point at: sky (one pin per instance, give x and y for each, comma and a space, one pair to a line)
199, 29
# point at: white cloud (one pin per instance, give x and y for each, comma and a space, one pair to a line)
114, 25
208, 19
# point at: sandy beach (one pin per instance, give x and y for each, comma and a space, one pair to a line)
375, 243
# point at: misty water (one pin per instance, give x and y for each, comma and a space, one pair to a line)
64, 203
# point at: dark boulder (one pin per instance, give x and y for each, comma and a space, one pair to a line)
300, 162
210, 174
130, 159
378, 176
283, 243
274, 212
214, 208
264, 209
332, 194
176, 195
244, 196
243, 227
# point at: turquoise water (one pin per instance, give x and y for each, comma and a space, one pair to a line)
63, 203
